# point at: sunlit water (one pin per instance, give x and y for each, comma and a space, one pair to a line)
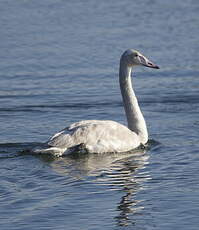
59, 64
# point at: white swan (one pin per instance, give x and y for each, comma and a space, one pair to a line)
97, 136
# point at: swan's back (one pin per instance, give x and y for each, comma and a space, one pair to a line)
94, 136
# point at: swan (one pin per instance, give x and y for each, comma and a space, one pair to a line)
103, 136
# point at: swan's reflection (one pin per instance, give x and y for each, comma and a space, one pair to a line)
113, 171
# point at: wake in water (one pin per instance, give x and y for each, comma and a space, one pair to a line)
10, 150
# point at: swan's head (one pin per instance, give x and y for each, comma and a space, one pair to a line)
134, 58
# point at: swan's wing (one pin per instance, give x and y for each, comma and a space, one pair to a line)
96, 136
75, 134
84, 123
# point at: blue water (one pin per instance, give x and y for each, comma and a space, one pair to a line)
59, 64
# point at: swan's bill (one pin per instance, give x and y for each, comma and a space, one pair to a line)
144, 61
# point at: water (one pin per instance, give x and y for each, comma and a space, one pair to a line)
59, 64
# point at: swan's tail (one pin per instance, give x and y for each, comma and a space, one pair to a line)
56, 151
44, 149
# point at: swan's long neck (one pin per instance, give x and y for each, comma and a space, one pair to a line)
135, 119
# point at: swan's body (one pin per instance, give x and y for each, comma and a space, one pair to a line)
96, 136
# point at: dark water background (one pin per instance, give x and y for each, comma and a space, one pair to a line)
59, 64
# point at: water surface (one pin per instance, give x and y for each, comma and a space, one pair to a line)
59, 64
